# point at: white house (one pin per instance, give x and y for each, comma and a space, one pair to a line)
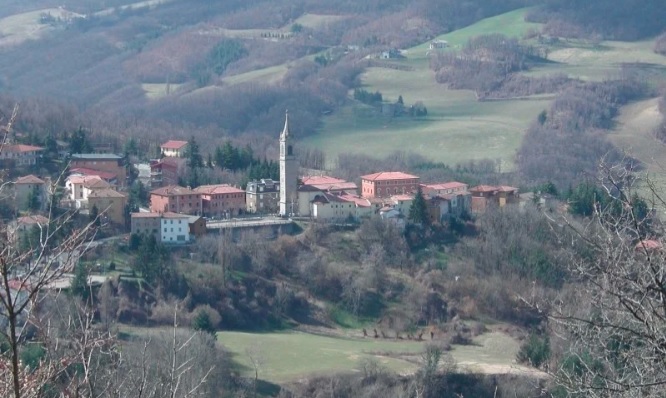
80, 187
174, 228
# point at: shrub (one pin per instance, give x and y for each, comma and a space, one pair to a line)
535, 350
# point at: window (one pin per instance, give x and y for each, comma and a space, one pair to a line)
165, 229
171, 229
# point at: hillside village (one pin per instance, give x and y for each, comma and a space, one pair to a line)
99, 181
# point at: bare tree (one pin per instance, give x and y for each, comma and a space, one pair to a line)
614, 316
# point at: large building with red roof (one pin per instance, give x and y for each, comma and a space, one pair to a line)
388, 183
19, 155
221, 200
176, 199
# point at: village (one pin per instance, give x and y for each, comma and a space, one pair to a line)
96, 183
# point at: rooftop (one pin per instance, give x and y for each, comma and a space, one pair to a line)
29, 179
146, 215
172, 190
173, 144
106, 193
84, 171
360, 202
33, 220
96, 156
483, 188
217, 189
169, 214
318, 180
389, 175
446, 185
20, 148
95, 182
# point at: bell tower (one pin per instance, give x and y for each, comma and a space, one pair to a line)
288, 172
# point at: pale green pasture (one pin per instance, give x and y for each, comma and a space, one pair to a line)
634, 134
287, 356
458, 127
315, 20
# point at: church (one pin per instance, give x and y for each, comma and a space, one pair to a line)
288, 173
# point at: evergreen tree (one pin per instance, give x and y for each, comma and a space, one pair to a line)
94, 216
194, 158
78, 142
79, 286
202, 323
418, 212
33, 199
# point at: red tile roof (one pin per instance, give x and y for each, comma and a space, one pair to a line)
360, 202
95, 182
29, 179
33, 220
172, 190
21, 148
445, 185
106, 193
173, 144
342, 186
388, 175
217, 189
484, 188
105, 175
318, 180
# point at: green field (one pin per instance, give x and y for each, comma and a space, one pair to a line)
287, 356
634, 135
459, 128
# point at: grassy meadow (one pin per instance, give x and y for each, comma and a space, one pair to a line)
287, 356
459, 128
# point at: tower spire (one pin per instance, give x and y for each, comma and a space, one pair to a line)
285, 130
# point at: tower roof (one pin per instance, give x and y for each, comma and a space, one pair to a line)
285, 130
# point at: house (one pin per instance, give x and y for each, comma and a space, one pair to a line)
438, 44
392, 53
444, 188
19, 155
262, 196
402, 203
80, 187
166, 171
109, 203
386, 184
221, 200
109, 177
172, 148
311, 186
364, 207
101, 162
176, 199
146, 224
484, 196
329, 207
28, 188
174, 228
197, 226
389, 214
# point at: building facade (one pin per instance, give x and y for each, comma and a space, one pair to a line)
173, 148
386, 184
19, 155
311, 186
175, 199
146, 224
288, 173
222, 200
106, 162
29, 188
262, 196
174, 228
110, 205
166, 171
